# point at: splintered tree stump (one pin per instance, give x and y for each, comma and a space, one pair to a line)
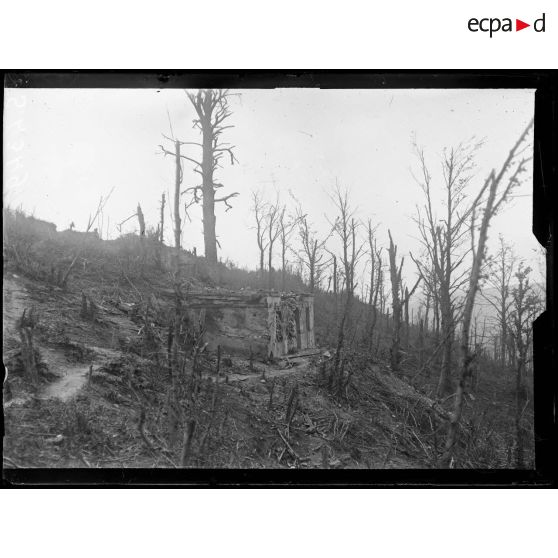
28, 355
26, 325
187, 443
271, 388
88, 309
83, 311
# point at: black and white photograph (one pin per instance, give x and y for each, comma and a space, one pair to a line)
269, 278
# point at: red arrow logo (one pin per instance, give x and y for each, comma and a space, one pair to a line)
519, 25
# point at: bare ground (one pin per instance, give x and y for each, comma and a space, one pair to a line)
119, 417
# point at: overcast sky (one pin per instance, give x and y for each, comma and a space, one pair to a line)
66, 147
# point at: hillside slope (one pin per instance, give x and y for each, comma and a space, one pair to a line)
100, 346
76, 418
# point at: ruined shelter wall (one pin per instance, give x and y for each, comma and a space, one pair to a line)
307, 325
237, 329
293, 325
270, 326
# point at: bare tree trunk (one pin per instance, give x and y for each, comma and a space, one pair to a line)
488, 211
141, 221
208, 204
379, 287
26, 326
162, 219
177, 221
311, 253
175, 365
395, 274
375, 279
312, 272
519, 403
258, 208
421, 343
335, 289
427, 312
406, 318
338, 361
503, 339
212, 110
335, 280
187, 442
345, 227
526, 305
270, 281
283, 266
444, 384
466, 357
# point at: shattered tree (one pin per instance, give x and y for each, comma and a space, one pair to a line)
212, 110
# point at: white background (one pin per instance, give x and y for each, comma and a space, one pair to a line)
278, 524
255, 33
251, 34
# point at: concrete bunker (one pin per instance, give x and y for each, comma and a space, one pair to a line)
268, 324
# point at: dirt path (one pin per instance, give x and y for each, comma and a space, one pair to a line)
73, 376
70, 376
68, 386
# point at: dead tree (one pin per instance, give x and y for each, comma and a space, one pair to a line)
174, 337
406, 320
490, 199
187, 442
334, 276
400, 298
346, 229
375, 280
526, 305
395, 276
333, 282
443, 241
141, 221
479, 349
273, 228
26, 326
421, 340
287, 225
312, 249
429, 303
501, 272
162, 219
258, 207
177, 248
212, 110
179, 175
